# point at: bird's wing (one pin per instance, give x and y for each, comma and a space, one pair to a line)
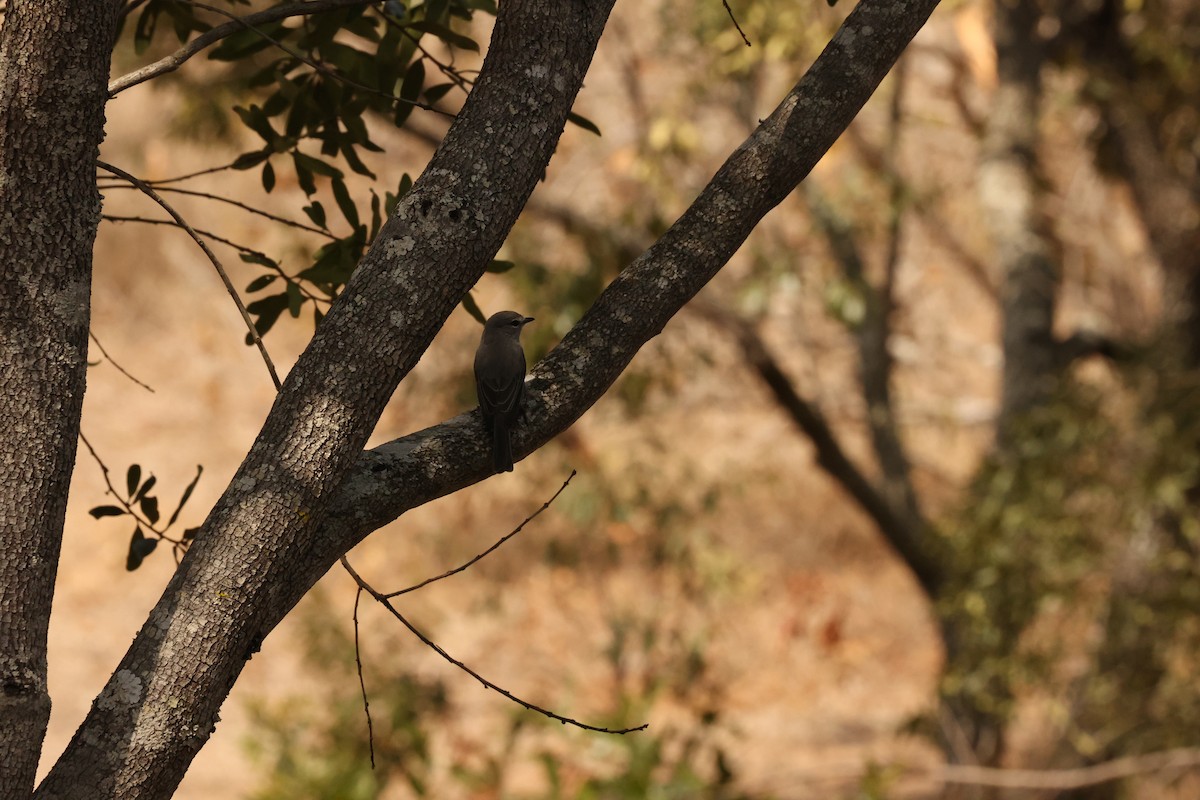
500, 397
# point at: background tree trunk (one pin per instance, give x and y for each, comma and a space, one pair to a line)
1008, 191
54, 61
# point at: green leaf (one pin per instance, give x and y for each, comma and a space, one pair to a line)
316, 165
106, 511
435, 93
149, 507
266, 311
342, 196
139, 548
254, 119
446, 35
246, 42
144, 31
147, 486
414, 81
248, 160
294, 298
187, 493
583, 122
316, 212
468, 303
268, 177
133, 477
305, 177
376, 216
255, 257
260, 283
498, 267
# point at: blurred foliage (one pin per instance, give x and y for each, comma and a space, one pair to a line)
1147, 52
1075, 567
310, 88
316, 745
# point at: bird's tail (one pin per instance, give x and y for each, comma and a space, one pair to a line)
502, 458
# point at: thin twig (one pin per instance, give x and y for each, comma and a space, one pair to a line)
361, 683
112, 361
238, 204
241, 248
153, 195
175, 60
130, 509
190, 175
382, 600
733, 19
487, 552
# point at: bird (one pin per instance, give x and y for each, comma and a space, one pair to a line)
500, 381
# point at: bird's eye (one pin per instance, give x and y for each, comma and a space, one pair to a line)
515, 322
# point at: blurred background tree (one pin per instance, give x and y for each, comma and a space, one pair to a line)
913, 482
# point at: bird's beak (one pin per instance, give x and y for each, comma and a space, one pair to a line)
527, 320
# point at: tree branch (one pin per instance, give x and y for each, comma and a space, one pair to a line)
407, 472
294, 508
466, 565
889, 517
143, 732
176, 60
386, 603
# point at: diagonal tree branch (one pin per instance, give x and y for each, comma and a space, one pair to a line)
407, 472
142, 732
175, 60
290, 511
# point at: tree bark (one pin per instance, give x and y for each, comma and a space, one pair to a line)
1009, 196
161, 703
288, 514
415, 469
54, 61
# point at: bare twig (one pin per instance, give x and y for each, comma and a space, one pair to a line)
153, 195
733, 19
241, 248
175, 60
112, 361
361, 683
382, 600
238, 204
130, 509
190, 175
487, 552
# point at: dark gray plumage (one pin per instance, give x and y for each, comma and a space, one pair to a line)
500, 381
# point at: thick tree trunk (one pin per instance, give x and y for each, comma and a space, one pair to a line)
288, 513
161, 703
54, 57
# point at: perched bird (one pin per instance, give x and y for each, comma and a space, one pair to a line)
500, 381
